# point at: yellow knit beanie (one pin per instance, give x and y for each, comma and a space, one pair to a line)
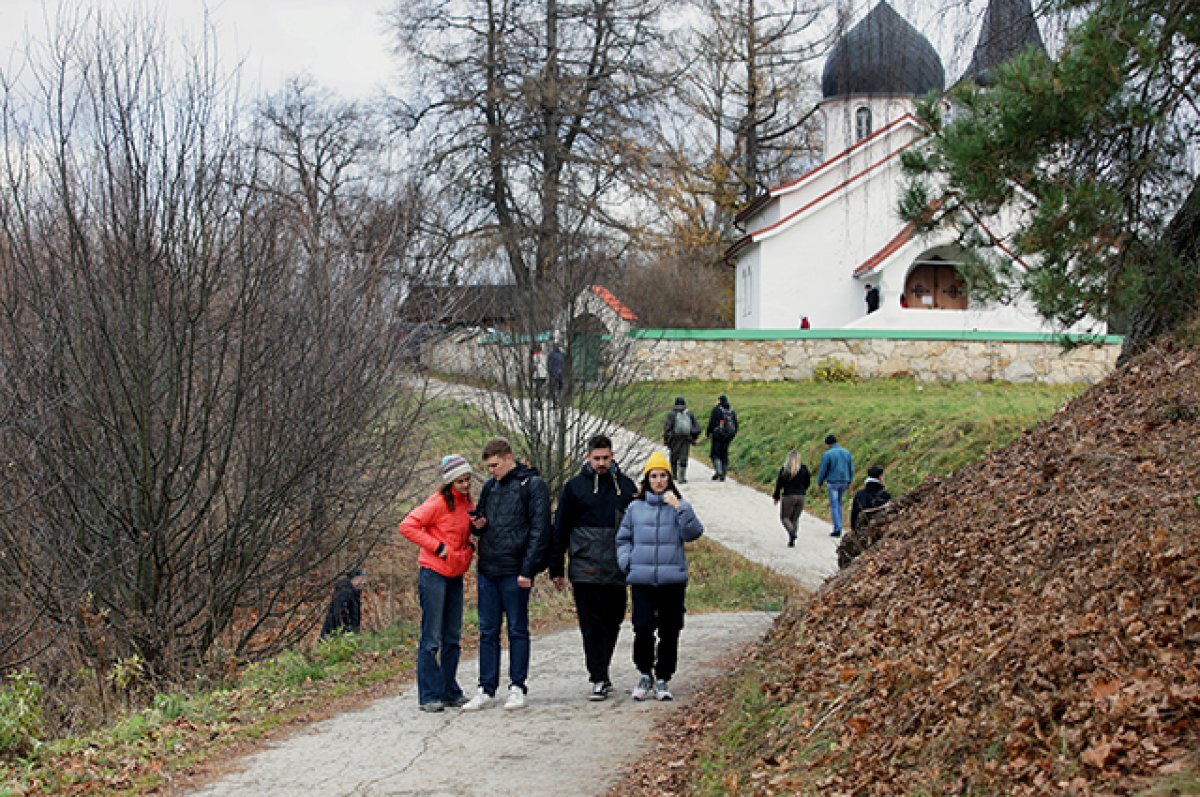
657, 461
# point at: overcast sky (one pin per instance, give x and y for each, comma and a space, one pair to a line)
344, 46
341, 43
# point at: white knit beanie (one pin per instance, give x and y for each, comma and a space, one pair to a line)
454, 467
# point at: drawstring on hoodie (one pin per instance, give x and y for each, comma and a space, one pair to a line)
596, 482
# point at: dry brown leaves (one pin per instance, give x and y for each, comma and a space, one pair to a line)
1028, 625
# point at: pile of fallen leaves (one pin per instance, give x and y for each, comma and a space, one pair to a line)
1027, 625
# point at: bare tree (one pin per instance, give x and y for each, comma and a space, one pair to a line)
202, 380
532, 112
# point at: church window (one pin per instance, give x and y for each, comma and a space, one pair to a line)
862, 122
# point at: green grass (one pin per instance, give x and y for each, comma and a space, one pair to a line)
913, 429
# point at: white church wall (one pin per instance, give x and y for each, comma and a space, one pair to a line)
839, 116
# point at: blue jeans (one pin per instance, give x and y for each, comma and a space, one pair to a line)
837, 491
502, 596
441, 632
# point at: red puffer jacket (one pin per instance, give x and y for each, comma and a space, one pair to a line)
433, 523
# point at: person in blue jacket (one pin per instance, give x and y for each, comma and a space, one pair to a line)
835, 474
650, 552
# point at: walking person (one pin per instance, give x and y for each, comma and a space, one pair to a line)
791, 485
680, 431
540, 372
441, 528
585, 528
344, 614
722, 428
650, 552
512, 521
835, 474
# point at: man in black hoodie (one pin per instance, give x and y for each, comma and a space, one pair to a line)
589, 513
512, 520
870, 499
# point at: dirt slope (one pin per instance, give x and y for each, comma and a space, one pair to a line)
1029, 625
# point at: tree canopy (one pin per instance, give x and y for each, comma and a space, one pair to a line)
1093, 154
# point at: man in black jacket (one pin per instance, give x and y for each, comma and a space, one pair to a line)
589, 513
512, 520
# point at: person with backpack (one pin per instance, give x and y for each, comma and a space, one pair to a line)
680, 431
441, 528
792, 483
722, 428
512, 521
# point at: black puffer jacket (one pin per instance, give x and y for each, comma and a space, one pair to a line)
516, 539
589, 512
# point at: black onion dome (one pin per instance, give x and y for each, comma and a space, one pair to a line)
1008, 28
882, 55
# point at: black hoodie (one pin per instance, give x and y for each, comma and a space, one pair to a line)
516, 539
589, 512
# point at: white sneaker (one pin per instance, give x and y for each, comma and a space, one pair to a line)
644, 687
662, 690
516, 697
480, 700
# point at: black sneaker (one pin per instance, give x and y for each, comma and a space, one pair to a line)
835, 534
600, 690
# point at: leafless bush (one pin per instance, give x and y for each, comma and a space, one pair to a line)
200, 380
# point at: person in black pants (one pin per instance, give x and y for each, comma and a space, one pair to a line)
792, 484
585, 525
722, 426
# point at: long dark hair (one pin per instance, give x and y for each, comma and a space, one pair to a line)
447, 492
644, 487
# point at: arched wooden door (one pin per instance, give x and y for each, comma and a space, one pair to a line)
935, 286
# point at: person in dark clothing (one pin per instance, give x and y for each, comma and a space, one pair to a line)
345, 608
872, 298
680, 431
512, 519
589, 511
792, 484
557, 363
870, 499
722, 427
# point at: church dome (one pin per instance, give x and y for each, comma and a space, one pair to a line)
882, 55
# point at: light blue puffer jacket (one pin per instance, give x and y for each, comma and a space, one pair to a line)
650, 541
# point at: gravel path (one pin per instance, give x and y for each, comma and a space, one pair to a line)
561, 743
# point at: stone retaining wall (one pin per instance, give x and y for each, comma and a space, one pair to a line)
736, 356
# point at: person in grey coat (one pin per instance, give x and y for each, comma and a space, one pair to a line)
680, 433
650, 552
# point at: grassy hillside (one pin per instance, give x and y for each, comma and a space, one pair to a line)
914, 429
1027, 626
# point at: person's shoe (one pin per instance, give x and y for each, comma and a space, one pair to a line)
835, 534
682, 480
516, 697
433, 706
600, 691
480, 700
791, 540
716, 476
458, 702
722, 477
643, 688
663, 690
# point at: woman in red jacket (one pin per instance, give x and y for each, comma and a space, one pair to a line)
442, 528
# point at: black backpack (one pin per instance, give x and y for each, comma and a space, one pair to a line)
727, 426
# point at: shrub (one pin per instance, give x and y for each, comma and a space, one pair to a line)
832, 369
21, 717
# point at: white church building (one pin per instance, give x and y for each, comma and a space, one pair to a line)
812, 246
